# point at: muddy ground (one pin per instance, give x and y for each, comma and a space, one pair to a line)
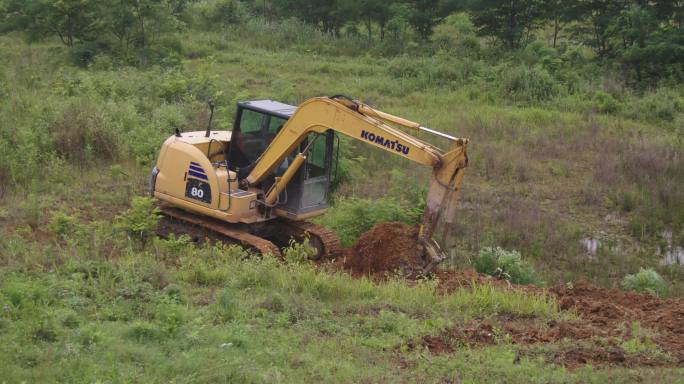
613, 327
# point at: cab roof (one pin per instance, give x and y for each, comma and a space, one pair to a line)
271, 107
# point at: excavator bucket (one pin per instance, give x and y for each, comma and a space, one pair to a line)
440, 205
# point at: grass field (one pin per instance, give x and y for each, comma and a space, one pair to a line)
80, 301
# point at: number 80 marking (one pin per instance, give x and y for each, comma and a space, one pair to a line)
196, 192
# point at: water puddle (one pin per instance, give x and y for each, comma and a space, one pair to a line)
674, 256
591, 246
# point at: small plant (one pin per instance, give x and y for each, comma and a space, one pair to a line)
505, 265
641, 342
226, 307
605, 102
646, 280
299, 253
140, 221
350, 217
63, 225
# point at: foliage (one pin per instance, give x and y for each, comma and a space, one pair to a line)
645, 281
511, 22
298, 253
350, 217
140, 221
63, 225
529, 84
505, 265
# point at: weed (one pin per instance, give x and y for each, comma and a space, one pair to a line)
140, 221
350, 217
646, 280
505, 265
298, 253
226, 306
64, 225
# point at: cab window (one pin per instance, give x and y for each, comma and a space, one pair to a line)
315, 161
275, 125
251, 121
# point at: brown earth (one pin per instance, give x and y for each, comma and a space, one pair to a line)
386, 249
606, 321
606, 316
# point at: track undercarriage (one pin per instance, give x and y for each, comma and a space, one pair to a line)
268, 237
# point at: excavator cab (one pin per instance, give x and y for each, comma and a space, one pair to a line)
256, 125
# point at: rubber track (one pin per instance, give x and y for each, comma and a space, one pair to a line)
216, 227
327, 239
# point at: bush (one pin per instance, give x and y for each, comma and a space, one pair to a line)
505, 265
350, 217
528, 84
299, 253
661, 105
81, 135
605, 103
140, 221
63, 225
645, 281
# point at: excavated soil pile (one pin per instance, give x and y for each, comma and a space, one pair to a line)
386, 249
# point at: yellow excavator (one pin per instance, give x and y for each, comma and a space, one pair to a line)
257, 184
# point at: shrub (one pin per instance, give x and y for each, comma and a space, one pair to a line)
661, 105
528, 84
63, 225
299, 253
605, 103
646, 280
505, 265
143, 331
140, 221
80, 135
350, 217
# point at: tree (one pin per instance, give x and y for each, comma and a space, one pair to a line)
509, 21
70, 20
559, 13
328, 15
648, 46
424, 15
373, 11
138, 21
598, 16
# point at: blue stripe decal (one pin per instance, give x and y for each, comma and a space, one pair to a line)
198, 175
198, 169
193, 163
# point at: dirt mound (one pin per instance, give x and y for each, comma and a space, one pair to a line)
386, 249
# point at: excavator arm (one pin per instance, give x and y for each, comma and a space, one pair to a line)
360, 121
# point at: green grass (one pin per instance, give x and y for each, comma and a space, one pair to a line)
81, 301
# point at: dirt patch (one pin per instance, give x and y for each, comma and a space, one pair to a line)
386, 249
452, 279
607, 321
607, 316
577, 343
614, 309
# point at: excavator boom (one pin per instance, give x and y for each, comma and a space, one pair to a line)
360, 121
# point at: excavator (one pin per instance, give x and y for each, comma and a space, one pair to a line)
258, 184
